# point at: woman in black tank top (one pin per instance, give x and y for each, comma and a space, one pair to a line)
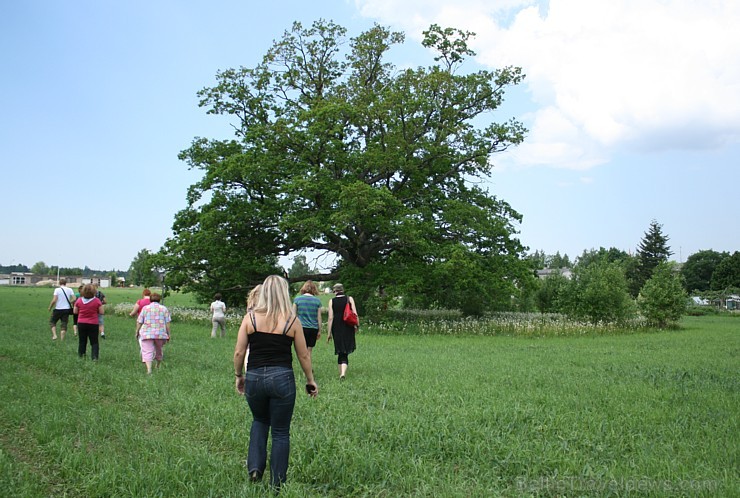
270, 330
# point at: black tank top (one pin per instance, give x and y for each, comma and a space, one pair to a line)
270, 350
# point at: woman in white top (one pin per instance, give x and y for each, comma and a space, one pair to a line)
218, 308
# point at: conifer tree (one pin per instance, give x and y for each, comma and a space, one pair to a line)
652, 251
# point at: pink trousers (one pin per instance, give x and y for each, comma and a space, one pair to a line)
151, 349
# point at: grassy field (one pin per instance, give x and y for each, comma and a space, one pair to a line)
644, 414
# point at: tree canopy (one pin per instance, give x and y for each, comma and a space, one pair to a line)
338, 151
143, 269
698, 269
300, 267
610, 255
40, 268
727, 274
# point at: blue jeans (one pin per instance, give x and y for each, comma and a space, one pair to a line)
270, 393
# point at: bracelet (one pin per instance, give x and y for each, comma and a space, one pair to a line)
239, 374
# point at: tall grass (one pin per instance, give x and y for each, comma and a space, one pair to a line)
435, 415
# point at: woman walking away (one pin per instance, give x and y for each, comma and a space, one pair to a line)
87, 309
307, 308
343, 334
252, 299
153, 331
144, 301
218, 308
269, 384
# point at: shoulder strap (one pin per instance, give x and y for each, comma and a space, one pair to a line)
66, 296
288, 325
254, 321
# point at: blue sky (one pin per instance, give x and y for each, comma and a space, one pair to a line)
633, 108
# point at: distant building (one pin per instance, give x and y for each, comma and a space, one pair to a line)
28, 279
732, 302
19, 278
546, 272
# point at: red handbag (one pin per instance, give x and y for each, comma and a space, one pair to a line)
349, 316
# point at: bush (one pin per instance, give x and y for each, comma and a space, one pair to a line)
416, 315
551, 293
694, 310
599, 293
662, 299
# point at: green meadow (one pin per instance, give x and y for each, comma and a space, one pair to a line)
649, 413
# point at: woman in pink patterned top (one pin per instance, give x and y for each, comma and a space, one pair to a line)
153, 331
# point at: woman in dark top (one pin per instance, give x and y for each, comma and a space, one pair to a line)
269, 385
343, 334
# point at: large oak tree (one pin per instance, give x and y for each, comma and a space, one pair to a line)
336, 150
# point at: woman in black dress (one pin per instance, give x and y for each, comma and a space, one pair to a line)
343, 334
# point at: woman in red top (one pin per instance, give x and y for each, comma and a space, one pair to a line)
87, 308
144, 301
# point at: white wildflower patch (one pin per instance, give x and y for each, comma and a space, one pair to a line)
508, 324
441, 322
178, 313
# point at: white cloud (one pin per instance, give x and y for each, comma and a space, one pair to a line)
605, 75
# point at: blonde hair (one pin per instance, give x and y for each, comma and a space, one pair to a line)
310, 288
274, 300
254, 296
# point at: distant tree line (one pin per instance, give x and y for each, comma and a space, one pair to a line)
142, 271
610, 285
42, 269
15, 268
705, 273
